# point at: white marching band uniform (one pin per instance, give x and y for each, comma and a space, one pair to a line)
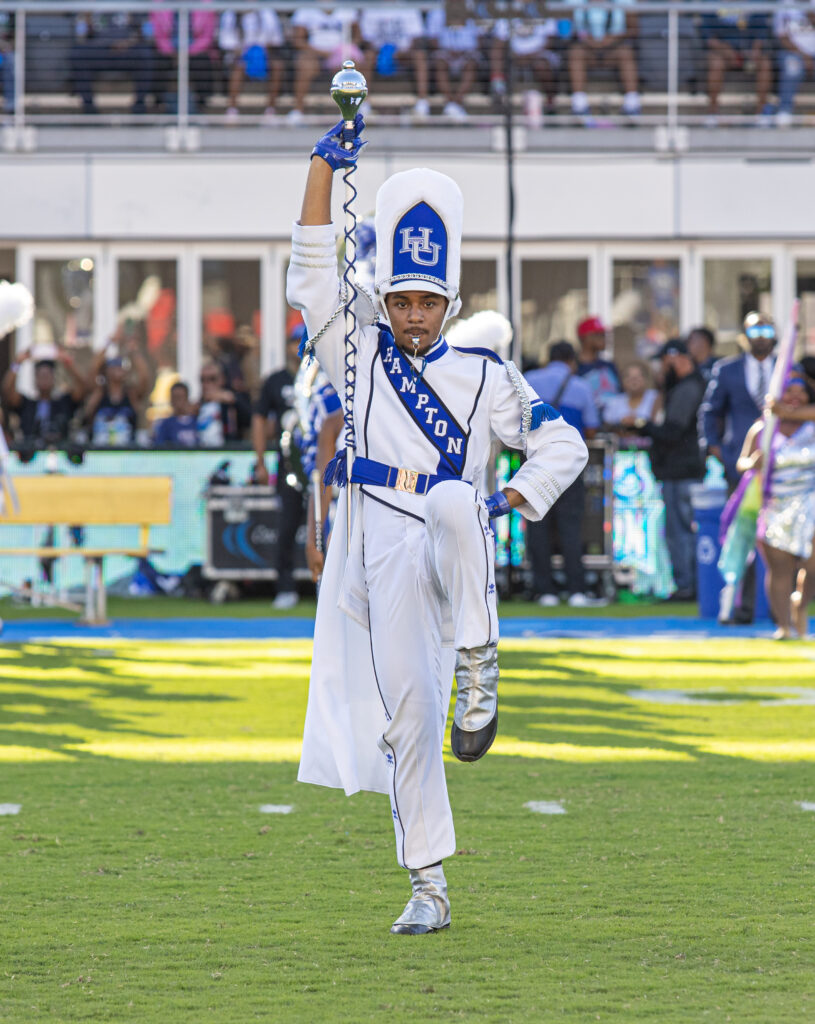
418, 581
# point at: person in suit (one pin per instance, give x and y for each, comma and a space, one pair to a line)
733, 401
735, 395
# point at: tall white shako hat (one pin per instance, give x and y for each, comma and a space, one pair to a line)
418, 225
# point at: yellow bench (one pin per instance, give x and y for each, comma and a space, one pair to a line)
142, 501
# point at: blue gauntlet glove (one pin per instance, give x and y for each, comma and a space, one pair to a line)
498, 505
331, 147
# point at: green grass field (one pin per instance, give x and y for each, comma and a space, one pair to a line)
140, 882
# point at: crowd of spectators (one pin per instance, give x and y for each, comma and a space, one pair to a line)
117, 401
443, 57
680, 407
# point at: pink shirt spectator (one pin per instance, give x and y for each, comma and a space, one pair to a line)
203, 26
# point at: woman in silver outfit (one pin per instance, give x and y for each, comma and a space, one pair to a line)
786, 527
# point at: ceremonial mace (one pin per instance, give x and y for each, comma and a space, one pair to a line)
348, 90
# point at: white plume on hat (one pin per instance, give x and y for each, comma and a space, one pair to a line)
485, 329
16, 306
418, 222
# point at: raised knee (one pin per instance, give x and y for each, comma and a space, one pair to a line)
448, 502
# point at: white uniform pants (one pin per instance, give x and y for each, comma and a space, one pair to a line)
425, 580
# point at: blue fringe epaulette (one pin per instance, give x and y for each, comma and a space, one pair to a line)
336, 472
542, 411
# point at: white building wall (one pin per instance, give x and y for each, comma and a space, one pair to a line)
144, 197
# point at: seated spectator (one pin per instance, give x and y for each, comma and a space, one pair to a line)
795, 31
603, 38
392, 35
455, 56
203, 24
558, 385
7, 60
638, 399
600, 374
121, 386
529, 50
701, 343
222, 414
47, 416
737, 42
178, 429
253, 42
110, 42
322, 38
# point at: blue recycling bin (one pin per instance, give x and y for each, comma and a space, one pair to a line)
708, 505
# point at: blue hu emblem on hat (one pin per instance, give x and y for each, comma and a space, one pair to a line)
420, 246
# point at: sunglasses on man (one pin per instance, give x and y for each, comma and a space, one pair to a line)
761, 331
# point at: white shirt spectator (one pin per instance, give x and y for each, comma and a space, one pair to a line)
393, 25
455, 38
527, 37
593, 21
254, 28
796, 26
618, 407
327, 30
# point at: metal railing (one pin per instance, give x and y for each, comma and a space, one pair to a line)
181, 80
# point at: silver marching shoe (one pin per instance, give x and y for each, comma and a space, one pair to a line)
428, 909
475, 721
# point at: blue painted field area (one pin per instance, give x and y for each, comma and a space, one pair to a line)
303, 629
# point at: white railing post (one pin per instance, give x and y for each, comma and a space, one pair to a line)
673, 76
183, 73
19, 77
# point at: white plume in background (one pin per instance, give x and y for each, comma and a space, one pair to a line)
16, 306
486, 329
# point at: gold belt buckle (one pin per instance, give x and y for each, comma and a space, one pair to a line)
406, 480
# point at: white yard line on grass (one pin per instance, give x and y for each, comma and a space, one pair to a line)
805, 805
545, 807
10, 808
787, 696
276, 808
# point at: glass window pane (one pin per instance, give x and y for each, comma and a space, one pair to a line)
645, 310
63, 294
554, 299
7, 273
734, 287
805, 290
148, 313
230, 310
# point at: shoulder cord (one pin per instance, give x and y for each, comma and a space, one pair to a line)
517, 380
308, 350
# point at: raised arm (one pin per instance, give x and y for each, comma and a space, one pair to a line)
313, 284
316, 207
11, 396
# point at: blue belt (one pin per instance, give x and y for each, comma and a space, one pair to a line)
368, 471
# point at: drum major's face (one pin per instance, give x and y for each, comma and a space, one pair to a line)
416, 315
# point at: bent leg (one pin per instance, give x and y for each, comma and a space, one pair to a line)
461, 554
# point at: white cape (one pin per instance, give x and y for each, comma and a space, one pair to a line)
345, 716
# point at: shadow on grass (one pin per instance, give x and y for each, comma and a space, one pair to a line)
100, 682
